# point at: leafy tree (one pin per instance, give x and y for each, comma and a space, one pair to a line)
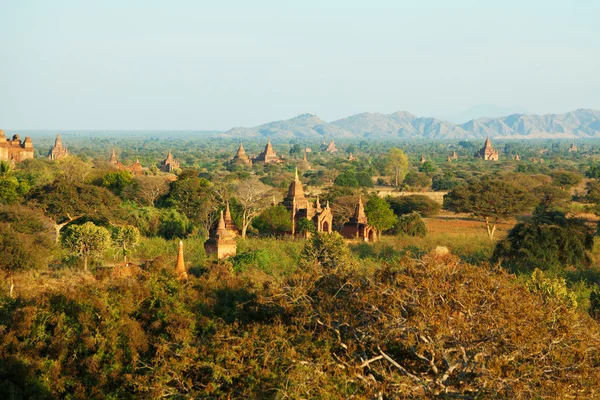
305, 227
555, 288
148, 189
427, 167
191, 195
86, 241
546, 241
492, 200
411, 225
275, 220
594, 171
593, 192
126, 237
416, 181
551, 197
566, 179
173, 224
346, 179
11, 190
416, 202
64, 202
117, 181
396, 165
328, 251
380, 215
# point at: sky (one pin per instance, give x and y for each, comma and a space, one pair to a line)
203, 65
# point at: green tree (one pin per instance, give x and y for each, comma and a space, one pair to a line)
548, 240
305, 227
117, 181
193, 196
493, 200
328, 251
380, 215
566, 179
424, 205
427, 167
346, 179
396, 165
411, 224
275, 220
64, 201
86, 241
126, 237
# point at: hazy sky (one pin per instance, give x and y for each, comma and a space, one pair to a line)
124, 64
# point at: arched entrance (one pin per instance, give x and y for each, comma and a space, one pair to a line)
325, 226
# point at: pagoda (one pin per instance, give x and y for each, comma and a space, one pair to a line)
300, 207
222, 241
180, 269
169, 164
241, 158
488, 152
268, 156
58, 150
358, 225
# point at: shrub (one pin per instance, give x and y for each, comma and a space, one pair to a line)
411, 225
414, 203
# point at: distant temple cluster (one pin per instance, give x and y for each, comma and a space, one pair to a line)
169, 164
14, 150
57, 151
268, 155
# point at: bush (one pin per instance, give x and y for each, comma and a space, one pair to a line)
414, 203
411, 225
275, 220
546, 241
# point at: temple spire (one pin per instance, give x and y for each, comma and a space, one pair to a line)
180, 269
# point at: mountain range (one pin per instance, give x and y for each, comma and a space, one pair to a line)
581, 123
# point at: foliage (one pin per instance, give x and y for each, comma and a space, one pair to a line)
305, 226
275, 220
546, 241
427, 167
415, 181
126, 237
492, 200
411, 225
414, 203
173, 224
86, 241
117, 181
551, 288
327, 251
396, 165
22, 251
565, 179
346, 179
380, 215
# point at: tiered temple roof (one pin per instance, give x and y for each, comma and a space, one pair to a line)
169, 164
268, 155
241, 157
488, 152
58, 150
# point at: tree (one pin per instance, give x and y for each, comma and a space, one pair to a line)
565, 179
594, 171
427, 167
396, 165
11, 190
416, 202
411, 225
346, 179
253, 196
65, 202
416, 181
150, 188
493, 200
193, 197
548, 240
126, 237
275, 220
380, 215
86, 241
305, 227
328, 251
117, 181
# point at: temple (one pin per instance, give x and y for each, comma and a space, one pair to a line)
241, 158
330, 148
222, 241
57, 151
573, 148
488, 152
169, 164
13, 150
267, 156
180, 269
300, 207
229, 224
358, 225
136, 168
351, 157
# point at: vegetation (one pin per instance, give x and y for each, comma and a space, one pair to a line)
91, 306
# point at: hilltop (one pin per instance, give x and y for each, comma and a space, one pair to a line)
581, 123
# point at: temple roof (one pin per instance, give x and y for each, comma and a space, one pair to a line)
58, 141
359, 213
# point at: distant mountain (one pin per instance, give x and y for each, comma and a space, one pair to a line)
483, 111
401, 124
